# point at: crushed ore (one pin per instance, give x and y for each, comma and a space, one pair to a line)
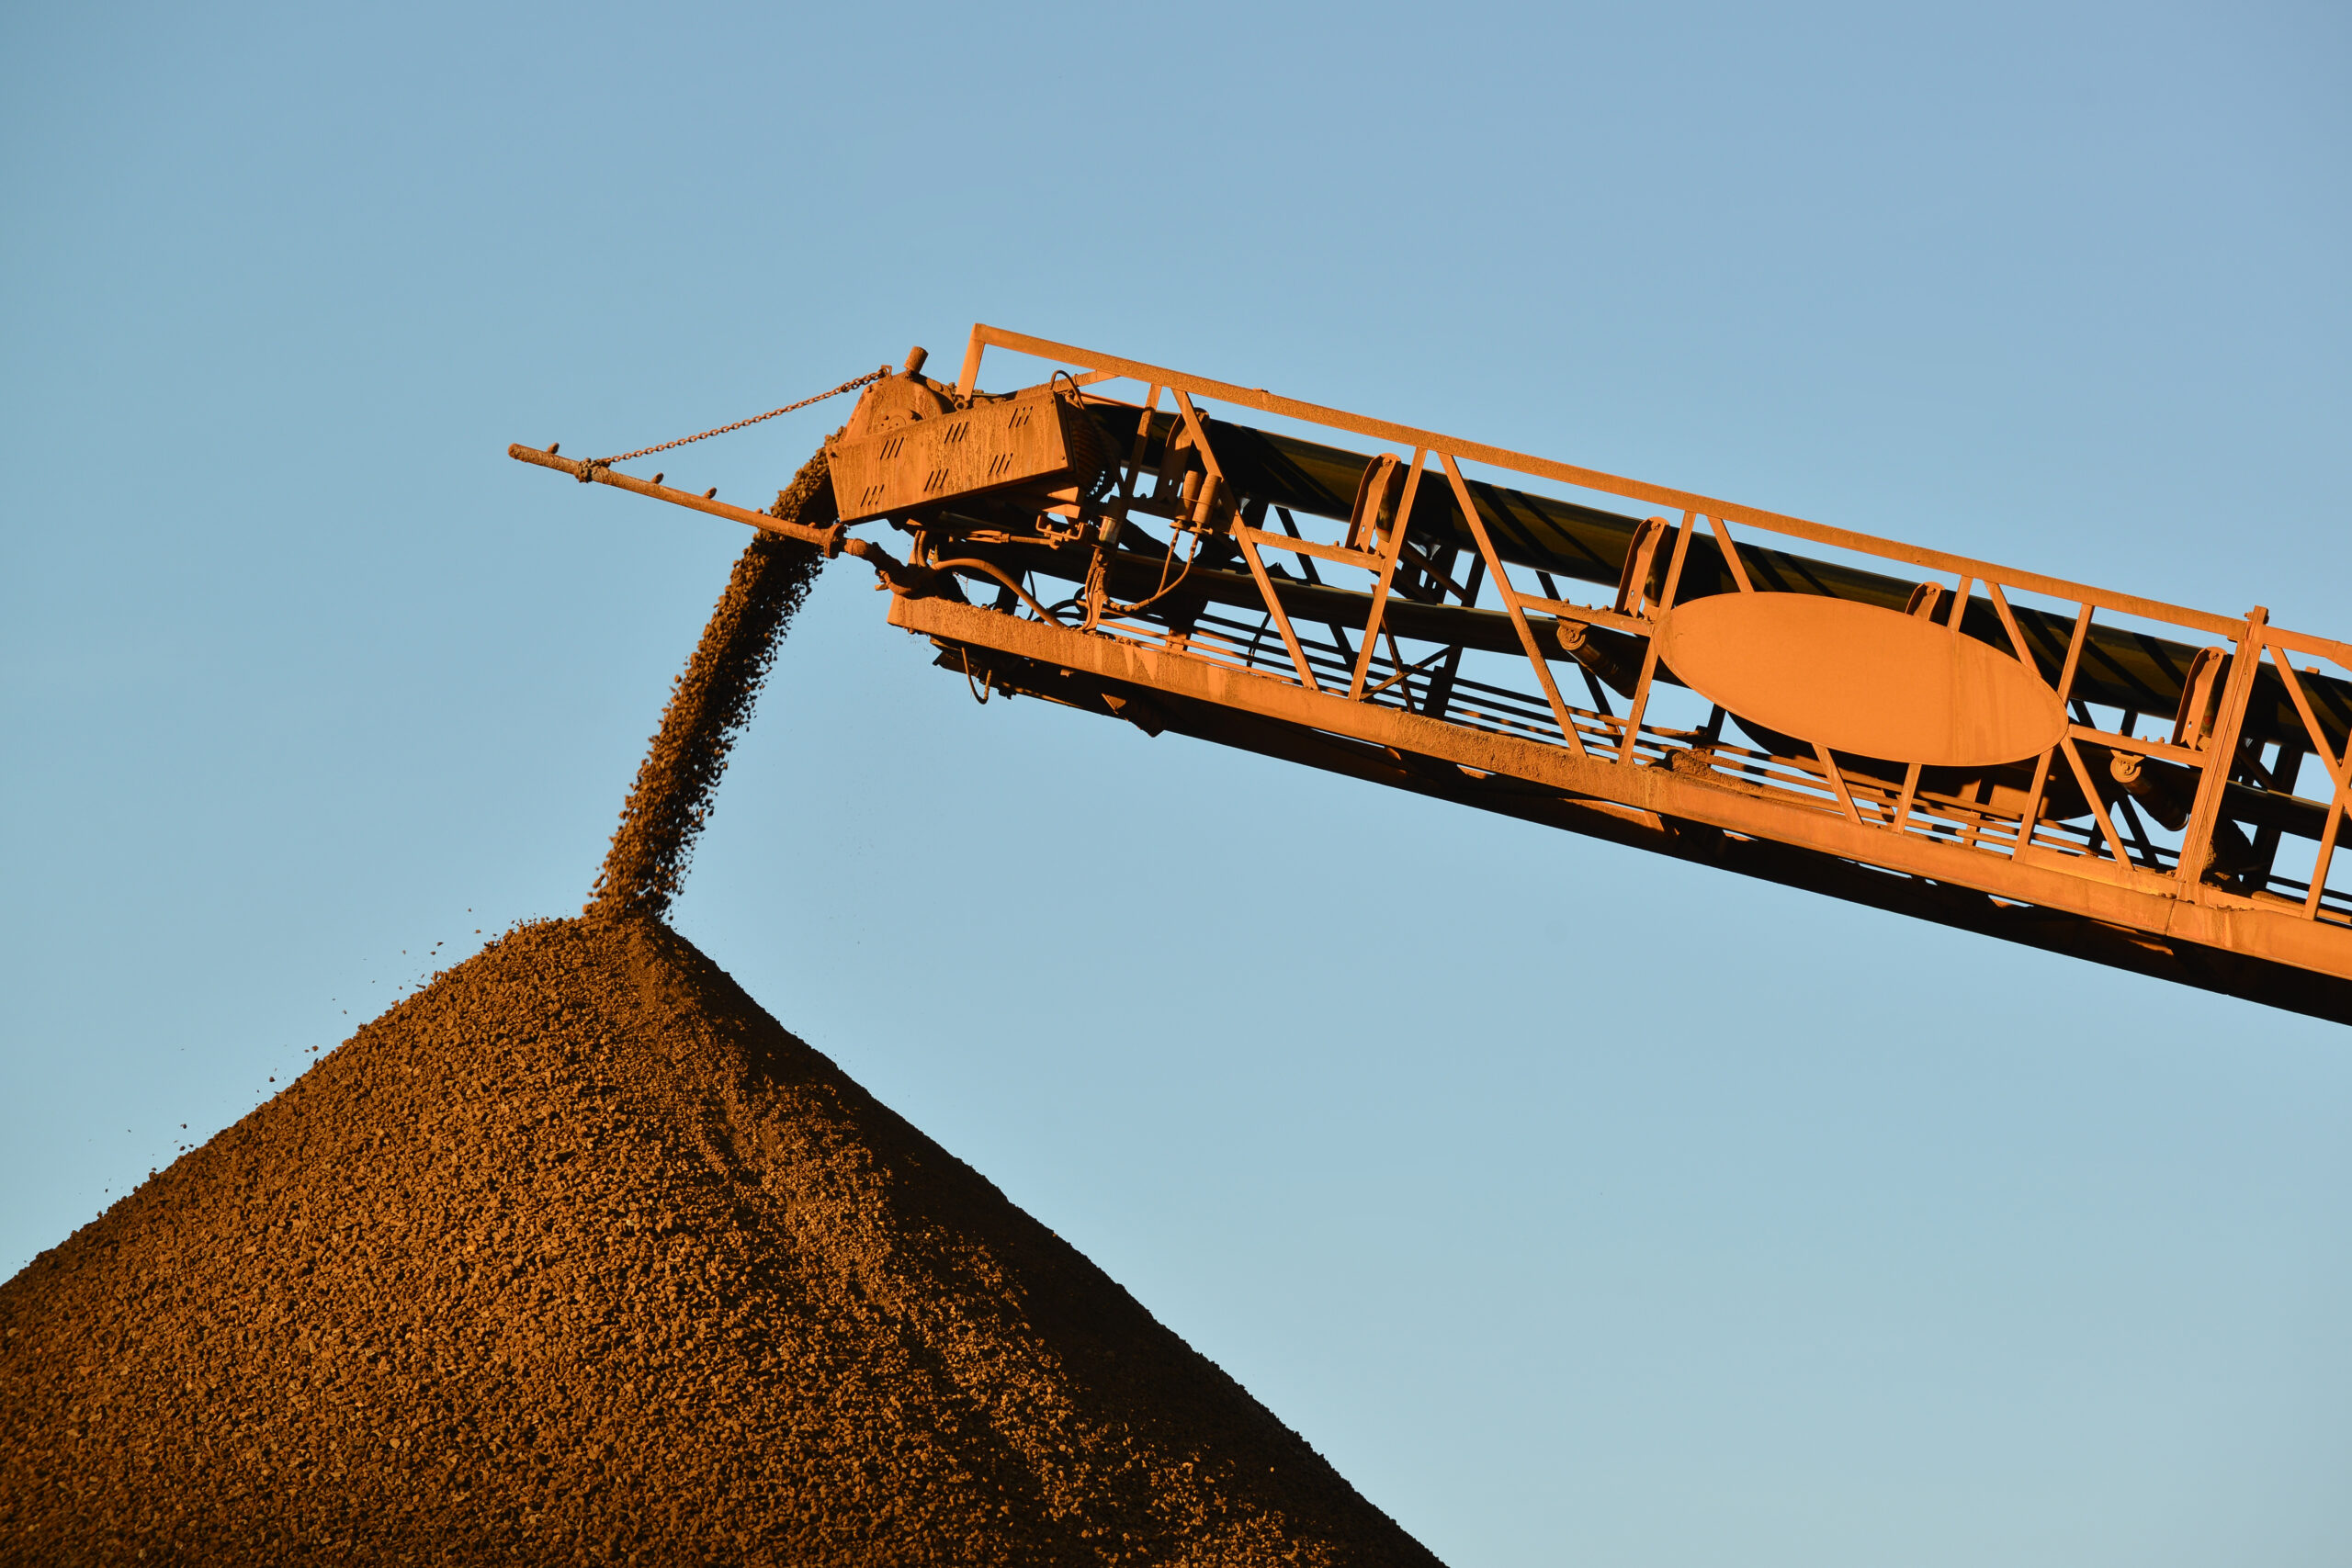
710, 703
578, 1256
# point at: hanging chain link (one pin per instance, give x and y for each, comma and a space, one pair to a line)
866, 380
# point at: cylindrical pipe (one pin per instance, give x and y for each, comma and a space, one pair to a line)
2163, 790
1615, 657
826, 540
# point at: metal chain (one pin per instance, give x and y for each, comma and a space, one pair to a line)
870, 376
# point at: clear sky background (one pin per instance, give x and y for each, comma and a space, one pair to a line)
1581, 1206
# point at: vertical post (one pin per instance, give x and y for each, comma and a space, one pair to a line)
1210, 492
2340, 779
2326, 854
2221, 755
1649, 653
1494, 564
1143, 440
1911, 775
1387, 575
2066, 683
970, 375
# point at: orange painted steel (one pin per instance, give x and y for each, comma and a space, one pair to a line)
1859, 678
2096, 774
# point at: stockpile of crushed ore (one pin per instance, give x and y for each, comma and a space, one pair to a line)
577, 1255
710, 703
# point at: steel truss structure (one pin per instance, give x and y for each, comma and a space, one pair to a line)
2147, 786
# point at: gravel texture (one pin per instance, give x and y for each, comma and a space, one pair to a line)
577, 1255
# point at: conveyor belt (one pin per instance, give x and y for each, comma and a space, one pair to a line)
2093, 838
2121, 668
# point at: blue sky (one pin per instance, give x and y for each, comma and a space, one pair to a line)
1581, 1207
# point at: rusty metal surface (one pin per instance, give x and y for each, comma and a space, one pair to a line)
1658, 804
1211, 715
984, 336
915, 463
587, 471
2135, 795
1589, 544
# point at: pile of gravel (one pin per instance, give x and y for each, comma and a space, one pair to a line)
578, 1256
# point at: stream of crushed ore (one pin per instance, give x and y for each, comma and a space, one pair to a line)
710, 704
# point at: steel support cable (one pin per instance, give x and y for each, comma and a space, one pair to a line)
867, 379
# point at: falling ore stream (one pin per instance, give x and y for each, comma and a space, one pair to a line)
710, 703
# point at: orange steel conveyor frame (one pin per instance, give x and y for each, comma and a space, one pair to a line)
2091, 772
